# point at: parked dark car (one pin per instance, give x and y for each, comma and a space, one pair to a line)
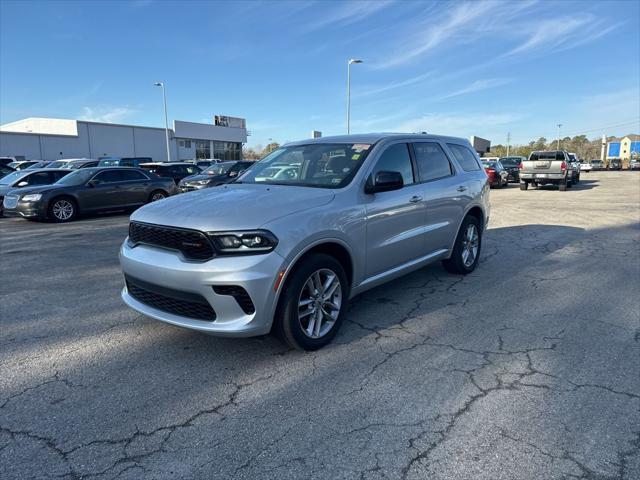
5, 170
204, 164
123, 161
82, 163
175, 170
213, 176
22, 164
4, 161
615, 164
496, 173
88, 190
40, 164
29, 178
512, 166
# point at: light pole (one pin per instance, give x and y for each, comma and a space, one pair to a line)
558, 144
352, 60
166, 121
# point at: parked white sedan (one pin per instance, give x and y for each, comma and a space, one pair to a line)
585, 167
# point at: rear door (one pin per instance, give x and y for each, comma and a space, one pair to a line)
134, 186
444, 203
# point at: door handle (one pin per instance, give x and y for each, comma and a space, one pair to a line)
415, 199
462, 188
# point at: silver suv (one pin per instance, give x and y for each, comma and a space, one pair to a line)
286, 253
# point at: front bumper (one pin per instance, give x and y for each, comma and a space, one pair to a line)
23, 209
256, 274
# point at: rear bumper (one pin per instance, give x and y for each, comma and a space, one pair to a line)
543, 177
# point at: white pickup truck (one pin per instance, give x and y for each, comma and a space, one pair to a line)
548, 167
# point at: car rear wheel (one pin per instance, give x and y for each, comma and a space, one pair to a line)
313, 303
563, 186
524, 185
466, 251
157, 195
62, 209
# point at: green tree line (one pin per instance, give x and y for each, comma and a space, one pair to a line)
585, 149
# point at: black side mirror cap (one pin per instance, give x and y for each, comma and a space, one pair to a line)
384, 182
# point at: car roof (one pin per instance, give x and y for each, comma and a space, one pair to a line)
165, 163
376, 137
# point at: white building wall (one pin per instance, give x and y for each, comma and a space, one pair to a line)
24, 144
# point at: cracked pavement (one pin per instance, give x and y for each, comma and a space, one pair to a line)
527, 368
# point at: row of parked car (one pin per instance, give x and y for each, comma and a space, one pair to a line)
63, 189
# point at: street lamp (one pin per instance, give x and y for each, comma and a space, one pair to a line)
352, 60
558, 144
166, 121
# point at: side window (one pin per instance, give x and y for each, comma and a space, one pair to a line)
432, 161
57, 175
40, 178
108, 176
465, 157
127, 162
192, 170
396, 159
131, 175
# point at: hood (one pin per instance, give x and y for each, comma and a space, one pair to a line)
34, 189
232, 206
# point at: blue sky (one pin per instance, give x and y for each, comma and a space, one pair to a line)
457, 68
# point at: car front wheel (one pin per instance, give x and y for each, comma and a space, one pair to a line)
62, 210
313, 303
466, 251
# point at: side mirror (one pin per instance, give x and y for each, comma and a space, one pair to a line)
22, 184
93, 183
233, 174
384, 182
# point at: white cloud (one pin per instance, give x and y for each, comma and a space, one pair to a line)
346, 13
457, 124
393, 85
106, 114
477, 86
438, 30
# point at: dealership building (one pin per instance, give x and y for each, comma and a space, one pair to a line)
55, 138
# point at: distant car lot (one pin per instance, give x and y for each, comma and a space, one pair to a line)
525, 369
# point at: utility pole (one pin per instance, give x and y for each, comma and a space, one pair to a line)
558, 144
508, 142
349, 63
166, 121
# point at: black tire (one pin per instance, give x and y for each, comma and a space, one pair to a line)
156, 194
563, 186
288, 324
524, 185
457, 264
62, 210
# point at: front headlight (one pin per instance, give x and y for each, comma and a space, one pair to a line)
201, 182
250, 242
33, 197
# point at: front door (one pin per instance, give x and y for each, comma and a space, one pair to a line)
395, 220
105, 193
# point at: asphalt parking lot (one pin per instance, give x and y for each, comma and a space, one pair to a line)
527, 368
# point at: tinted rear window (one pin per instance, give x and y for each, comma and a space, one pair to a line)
465, 157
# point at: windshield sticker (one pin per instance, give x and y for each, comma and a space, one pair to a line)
360, 147
355, 156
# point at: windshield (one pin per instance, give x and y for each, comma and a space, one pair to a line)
77, 177
12, 177
218, 169
489, 164
320, 165
57, 164
510, 161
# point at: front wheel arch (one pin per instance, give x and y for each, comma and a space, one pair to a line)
70, 198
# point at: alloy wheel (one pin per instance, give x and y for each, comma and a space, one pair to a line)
470, 244
157, 196
319, 303
63, 209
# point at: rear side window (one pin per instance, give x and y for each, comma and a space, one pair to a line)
109, 176
432, 161
40, 178
465, 157
396, 159
58, 175
131, 175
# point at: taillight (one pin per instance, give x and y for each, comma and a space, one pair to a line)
563, 166
520, 167
491, 170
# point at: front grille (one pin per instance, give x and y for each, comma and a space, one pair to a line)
240, 294
184, 304
194, 245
